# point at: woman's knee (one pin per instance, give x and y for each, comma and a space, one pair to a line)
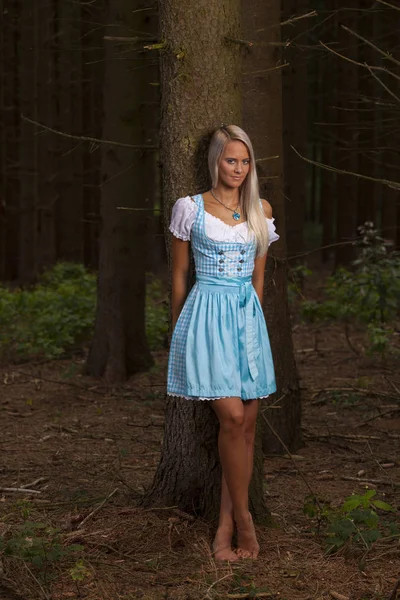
232, 422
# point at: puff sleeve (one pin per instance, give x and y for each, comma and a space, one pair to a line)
182, 219
272, 235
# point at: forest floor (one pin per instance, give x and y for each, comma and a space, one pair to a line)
89, 451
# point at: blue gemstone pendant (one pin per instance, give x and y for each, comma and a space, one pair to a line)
236, 216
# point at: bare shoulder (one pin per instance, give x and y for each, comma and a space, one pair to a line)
267, 208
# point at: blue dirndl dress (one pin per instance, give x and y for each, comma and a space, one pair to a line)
220, 345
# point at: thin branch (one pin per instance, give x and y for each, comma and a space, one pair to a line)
87, 138
312, 13
364, 65
386, 55
389, 91
392, 184
286, 64
389, 5
96, 510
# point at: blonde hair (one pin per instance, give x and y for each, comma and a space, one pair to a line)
249, 192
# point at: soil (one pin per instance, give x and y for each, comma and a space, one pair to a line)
89, 451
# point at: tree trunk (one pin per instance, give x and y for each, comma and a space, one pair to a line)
10, 131
295, 95
119, 346
47, 107
262, 115
200, 83
348, 99
69, 206
92, 116
28, 146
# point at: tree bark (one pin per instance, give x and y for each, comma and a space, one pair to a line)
295, 95
262, 116
119, 346
28, 143
200, 84
69, 206
347, 218
10, 132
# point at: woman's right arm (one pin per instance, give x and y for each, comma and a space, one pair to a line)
180, 268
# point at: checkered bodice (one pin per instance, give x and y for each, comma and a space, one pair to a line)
219, 259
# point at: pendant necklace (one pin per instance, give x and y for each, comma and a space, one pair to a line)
235, 213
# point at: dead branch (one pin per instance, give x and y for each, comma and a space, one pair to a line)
20, 489
85, 138
96, 510
392, 184
75, 385
369, 480
393, 594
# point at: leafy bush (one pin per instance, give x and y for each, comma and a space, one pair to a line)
369, 294
49, 318
58, 314
39, 546
355, 522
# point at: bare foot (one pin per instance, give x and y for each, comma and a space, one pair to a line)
248, 546
222, 548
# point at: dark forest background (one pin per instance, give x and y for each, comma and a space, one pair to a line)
106, 108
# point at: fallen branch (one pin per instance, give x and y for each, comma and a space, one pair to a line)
20, 489
69, 383
96, 510
368, 480
393, 594
36, 482
383, 414
337, 596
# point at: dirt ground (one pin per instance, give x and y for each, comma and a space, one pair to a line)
89, 452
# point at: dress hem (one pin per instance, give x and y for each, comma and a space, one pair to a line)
194, 398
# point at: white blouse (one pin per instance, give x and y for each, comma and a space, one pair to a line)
184, 214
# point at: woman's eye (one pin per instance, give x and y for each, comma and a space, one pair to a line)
230, 161
246, 162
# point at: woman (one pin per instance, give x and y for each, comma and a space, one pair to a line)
220, 350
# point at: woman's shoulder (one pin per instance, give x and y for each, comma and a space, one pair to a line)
267, 208
183, 216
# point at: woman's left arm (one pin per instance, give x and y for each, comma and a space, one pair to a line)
259, 263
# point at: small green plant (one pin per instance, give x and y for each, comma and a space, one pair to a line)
355, 522
79, 572
368, 294
157, 314
39, 546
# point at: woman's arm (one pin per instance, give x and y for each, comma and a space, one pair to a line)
259, 263
180, 268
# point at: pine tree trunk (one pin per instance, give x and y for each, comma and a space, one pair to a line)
47, 107
200, 84
262, 115
69, 206
9, 141
295, 96
28, 76
92, 115
347, 218
119, 346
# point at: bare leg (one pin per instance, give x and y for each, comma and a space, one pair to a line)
236, 447
248, 546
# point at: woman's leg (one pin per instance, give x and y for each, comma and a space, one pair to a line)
236, 448
231, 446
248, 546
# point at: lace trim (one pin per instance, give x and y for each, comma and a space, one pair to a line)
210, 399
178, 235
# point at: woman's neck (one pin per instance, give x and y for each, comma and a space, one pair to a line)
227, 195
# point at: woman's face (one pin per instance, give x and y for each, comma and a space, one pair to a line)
234, 164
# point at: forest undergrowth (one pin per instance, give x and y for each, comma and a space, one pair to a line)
78, 455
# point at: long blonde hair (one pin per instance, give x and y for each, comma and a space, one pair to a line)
249, 192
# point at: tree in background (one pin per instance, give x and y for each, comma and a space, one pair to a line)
262, 114
119, 347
